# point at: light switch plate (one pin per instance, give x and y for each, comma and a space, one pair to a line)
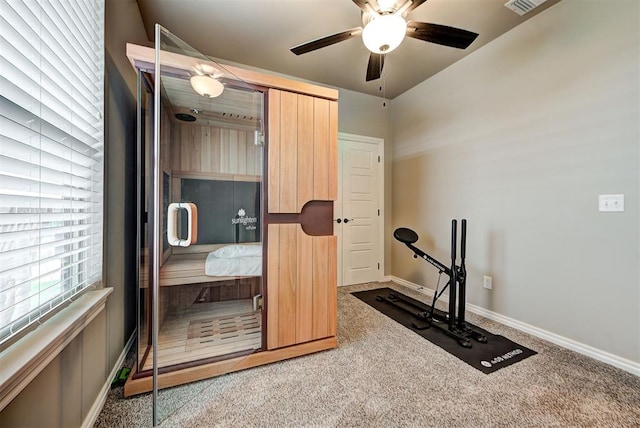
611, 203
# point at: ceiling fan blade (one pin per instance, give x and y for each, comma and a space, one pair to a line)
374, 68
362, 4
326, 41
440, 34
414, 4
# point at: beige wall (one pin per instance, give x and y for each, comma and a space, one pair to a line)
63, 394
363, 114
521, 137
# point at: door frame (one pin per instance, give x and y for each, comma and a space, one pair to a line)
381, 177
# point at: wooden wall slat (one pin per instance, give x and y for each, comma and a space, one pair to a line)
206, 158
196, 148
333, 151
225, 157
215, 137
251, 155
242, 152
212, 150
234, 141
176, 146
288, 152
332, 286
305, 151
320, 281
321, 150
287, 288
259, 166
274, 150
304, 309
185, 149
273, 284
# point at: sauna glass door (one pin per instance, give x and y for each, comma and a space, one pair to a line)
205, 221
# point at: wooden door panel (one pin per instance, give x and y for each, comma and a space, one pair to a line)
273, 285
321, 143
288, 152
301, 292
321, 283
288, 288
302, 167
332, 287
273, 154
333, 151
306, 157
303, 154
305, 300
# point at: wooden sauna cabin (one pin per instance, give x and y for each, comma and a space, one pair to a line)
241, 189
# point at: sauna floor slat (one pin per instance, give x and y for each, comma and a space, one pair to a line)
207, 330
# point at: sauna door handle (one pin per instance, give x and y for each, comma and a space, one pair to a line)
191, 211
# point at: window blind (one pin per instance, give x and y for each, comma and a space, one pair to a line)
51, 155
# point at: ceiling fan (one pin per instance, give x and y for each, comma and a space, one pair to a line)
385, 26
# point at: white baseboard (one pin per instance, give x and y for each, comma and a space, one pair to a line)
598, 354
96, 408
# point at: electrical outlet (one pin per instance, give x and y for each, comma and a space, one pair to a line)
486, 282
611, 203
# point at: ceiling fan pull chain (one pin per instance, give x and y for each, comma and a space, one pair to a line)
384, 86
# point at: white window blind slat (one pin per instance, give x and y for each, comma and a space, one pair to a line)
55, 185
15, 222
38, 202
57, 74
54, 40
31, 257
32, 287
66, 27
26, 57
46, 275
23, 126
27, 238
15, 155
51, 155
80, 129
14, 166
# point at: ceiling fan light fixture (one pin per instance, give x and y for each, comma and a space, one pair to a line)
207, 86
384, 33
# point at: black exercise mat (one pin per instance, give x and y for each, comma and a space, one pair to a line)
488, 357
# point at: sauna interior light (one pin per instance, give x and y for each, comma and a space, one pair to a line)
384, 33
207, 86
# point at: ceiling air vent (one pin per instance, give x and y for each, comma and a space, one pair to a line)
523, 6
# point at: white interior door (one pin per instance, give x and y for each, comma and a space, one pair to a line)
358, 211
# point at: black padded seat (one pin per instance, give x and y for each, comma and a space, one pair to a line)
406, 236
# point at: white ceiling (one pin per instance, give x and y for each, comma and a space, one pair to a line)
259, 33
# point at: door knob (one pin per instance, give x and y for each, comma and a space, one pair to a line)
337, 220
347, 220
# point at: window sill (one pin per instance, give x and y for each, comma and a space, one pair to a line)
25, 359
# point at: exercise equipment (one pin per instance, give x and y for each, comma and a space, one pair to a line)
449, 322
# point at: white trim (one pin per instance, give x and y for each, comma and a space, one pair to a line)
381, 196
98, 404
25, 359
598, 354
360, 138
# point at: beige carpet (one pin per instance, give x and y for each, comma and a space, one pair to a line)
384, 375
